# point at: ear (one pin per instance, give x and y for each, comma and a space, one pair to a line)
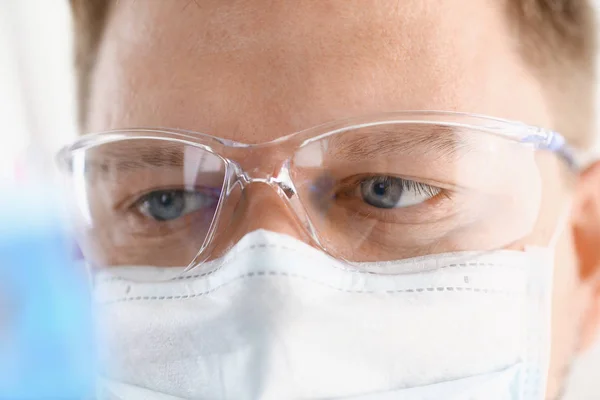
586, 236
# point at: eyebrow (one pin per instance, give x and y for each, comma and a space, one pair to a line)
131, 157
376, 141
443, 141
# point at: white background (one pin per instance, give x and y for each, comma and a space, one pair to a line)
37, 113
36, 85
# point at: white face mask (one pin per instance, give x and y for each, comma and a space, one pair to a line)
277, 319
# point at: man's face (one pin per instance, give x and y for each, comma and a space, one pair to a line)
256, 70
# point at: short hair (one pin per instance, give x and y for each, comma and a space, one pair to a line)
557, 38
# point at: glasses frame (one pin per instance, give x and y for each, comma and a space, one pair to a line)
537, 137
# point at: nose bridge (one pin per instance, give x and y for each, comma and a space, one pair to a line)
257, 205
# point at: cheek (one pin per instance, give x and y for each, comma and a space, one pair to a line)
568, 305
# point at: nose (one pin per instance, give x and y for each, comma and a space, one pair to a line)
257, 206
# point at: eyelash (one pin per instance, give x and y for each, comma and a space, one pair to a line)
133, 201
351, 184
410, 185
440, 204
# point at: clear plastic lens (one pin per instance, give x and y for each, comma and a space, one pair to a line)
377, 193
145, 202
397, 191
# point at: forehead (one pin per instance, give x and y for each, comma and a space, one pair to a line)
255, 70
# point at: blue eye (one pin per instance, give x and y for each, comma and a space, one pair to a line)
166, 205
390, 192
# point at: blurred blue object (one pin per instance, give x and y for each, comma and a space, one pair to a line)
46, 341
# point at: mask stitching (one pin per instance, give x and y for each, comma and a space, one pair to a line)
253, 248
533, 375
292, 275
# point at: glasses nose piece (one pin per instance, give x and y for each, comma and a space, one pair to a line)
288, 191
279, 179
255, 206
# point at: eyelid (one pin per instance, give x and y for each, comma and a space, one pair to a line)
339, 177
421, 188
356, 180
135, 200
433, 210
414, 186
433, 203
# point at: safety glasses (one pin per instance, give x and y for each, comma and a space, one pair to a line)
379, 188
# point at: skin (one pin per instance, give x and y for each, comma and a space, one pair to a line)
255, 70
